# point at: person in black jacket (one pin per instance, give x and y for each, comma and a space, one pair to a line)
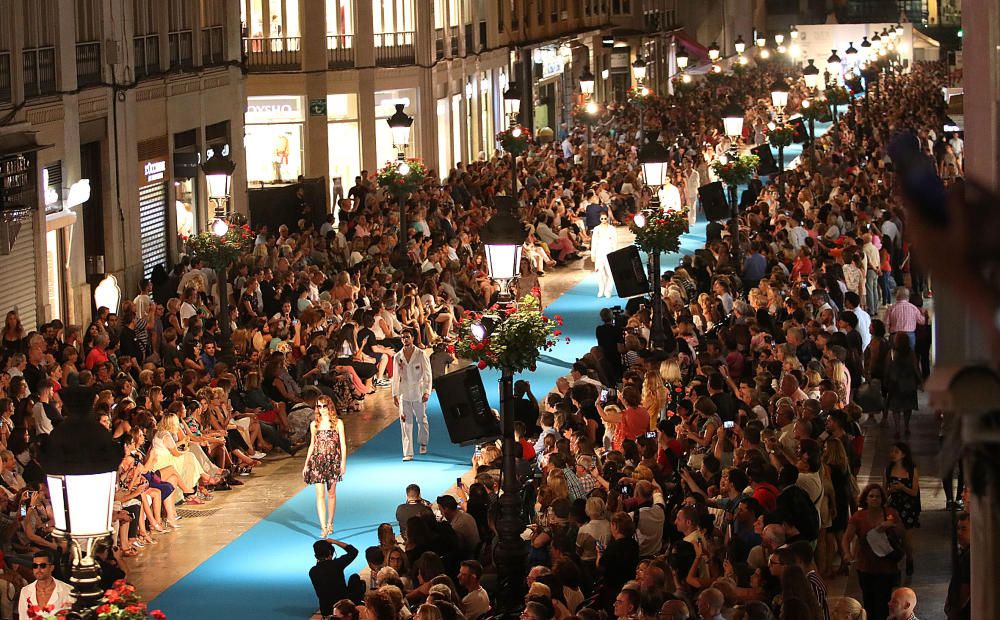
616, 564
328, 575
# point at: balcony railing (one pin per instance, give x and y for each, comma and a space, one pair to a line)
439, 43
147, 55
5, 81
470, 46
39, 71
272, 54
393, 49
453, 45
181, 49
339, 51
213, 46
88, 63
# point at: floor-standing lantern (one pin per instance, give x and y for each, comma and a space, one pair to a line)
81, 460
655, 161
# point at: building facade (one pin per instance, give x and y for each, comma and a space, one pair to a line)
323, 76
123, 100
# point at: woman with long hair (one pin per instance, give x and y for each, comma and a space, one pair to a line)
655, 397
877, 575
12, 335
902, 380
839, 469
326, 461
902, 481
349, 354
875, 360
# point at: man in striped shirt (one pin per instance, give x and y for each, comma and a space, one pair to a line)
801, 554
903, 316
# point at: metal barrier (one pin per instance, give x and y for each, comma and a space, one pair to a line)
393, 49
39, 66
340, 51
272, 54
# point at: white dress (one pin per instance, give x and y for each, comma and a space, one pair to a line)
602, 243
186, 464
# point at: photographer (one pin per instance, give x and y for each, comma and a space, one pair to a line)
643, 501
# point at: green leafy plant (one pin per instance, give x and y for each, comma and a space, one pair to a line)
837, 95
781, 135
397, 183
221, 252
520, 333
736, 170
514, 144
662, 231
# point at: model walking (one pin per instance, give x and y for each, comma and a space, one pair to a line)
326, 461
602, 243
411, 389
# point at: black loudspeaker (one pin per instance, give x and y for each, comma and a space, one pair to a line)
713, 201
767, 165
467, 413
629, 272
801, 132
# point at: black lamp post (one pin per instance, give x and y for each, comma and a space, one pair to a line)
732, 120
639, 73
81, 460
779, 99
503, 236
811, 76
587, 88
400, 124
512, 106
833, 68
218, 171
654, 159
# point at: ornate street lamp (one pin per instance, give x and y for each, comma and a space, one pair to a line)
512, 103
655, 160
794, 33
851, 54
779, 39
81, 461
811, 75
833, 66
682, 59
587, 83
732, 121
503, 236
218, 171
639, 70
400, 124
866, 49
740, 45
713, 51
779, 95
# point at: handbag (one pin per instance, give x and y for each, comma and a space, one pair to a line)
869, 396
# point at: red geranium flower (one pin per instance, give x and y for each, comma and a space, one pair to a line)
156, 614
481, 364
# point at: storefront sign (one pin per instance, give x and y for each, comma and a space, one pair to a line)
273, 109
186, 165
552, 66
317, 107
152, 171
619, 59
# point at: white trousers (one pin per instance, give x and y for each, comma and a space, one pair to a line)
413, 410
605, 283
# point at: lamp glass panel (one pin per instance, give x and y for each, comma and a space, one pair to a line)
504, 261
811, 80
218, 185
654, 172
88, 501
733, 125
779, 98
682, 62
55, 484
400, 136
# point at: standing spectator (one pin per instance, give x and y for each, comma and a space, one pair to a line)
902, 380
48, 593
878, 575
328, 575
904, 317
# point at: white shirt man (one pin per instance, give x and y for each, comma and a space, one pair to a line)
692, 181
46, 592
602, 243
670, 197
411, 389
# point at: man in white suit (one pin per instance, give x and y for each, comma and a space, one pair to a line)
602, 243
411, 389
670, 196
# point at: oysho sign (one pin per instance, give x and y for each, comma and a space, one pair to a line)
273, 109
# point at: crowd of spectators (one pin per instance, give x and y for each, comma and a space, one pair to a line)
719, 475
718, 479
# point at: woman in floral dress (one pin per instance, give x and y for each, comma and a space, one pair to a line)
326, 461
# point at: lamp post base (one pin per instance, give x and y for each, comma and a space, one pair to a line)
85, 574
511, 552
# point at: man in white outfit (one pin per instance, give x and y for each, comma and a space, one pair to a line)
670, 196
411, 388
602, 243
45, 591
692, 181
